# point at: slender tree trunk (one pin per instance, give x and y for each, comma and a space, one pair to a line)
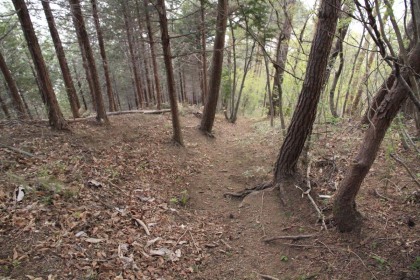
305, 113
83, 35
26, 106
109, 91
216, 72
248, 61
145, 60
4, 108
14, 92
177, 135
55, 116
153, 54
268, 89
203, 49
137, 81
281, 59
79, 85
353, 70
346, 216
65, 71
362, 84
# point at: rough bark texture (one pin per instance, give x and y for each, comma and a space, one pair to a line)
305, 112
109, 91
216, 71
153, 54
137, 80
83, 35
177, 137
345, 214
14, 92
68, 81
55, 116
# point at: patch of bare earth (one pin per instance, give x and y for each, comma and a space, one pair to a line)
125, 203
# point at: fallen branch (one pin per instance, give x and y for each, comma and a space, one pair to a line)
143, 225
397, 159
17, 150
290, 237
308, 193
242, 194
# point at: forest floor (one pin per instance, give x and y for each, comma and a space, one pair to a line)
125, 203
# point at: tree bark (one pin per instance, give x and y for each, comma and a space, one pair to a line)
153, 54
203, 49
14, 92
65, 71
4, 108
109, 91
137, 80
79, 24
281, 59
216, 71
55, 115
346, 216
79, 84
305, 112
166, 46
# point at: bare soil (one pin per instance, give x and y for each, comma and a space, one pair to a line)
88, 192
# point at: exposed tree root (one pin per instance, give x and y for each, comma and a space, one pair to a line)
290, 237
242, 194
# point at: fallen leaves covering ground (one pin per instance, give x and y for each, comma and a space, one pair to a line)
124, 203
99, 203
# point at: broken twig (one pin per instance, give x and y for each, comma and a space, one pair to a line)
291, 237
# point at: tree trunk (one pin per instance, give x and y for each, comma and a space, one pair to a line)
361, 85
166, 46
305, 112
137, 81
153, 54
14, 92
145, 61
203, 49
68, 81
79, 84
345, 214
281, 59
216, 71
4, 108
353, 70
79, 24
55, 115
109, 91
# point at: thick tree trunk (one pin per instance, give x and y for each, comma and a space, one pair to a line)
305, 113
166, 46
14, 92
137, 80
216, 71
109, 91
345, 214
68, 81
55, 116
83, 35
153, 54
